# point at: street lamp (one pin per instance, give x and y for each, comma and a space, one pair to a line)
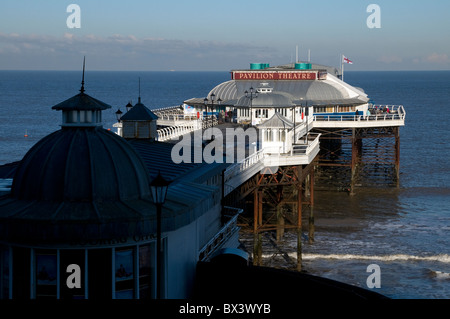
306, 116
205, 102
129, 106
118, 115
213, 98
159, 188
251, 95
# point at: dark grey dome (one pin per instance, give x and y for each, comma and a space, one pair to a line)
81, 164
79, 183
271, 99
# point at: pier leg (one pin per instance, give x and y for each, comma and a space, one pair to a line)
299, 226
257, 245
397, 155
356, 154
311, 207
280, 222
257, 249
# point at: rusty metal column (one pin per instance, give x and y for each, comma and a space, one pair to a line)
356, 150
311, 206
280, 222
299, 219
257, 222
397, 155
256, 234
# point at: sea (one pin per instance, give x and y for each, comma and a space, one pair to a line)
404, 231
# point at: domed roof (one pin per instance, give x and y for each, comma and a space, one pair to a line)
81, 164
270, 99
81, 182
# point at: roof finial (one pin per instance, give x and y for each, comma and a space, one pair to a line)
82, 80
139, 99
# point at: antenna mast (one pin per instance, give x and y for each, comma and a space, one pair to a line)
139, 98
82, 79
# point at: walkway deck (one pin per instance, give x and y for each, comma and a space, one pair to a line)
377, 118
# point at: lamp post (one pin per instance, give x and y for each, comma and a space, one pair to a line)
213, 98
251, 95
159, 188
306, 116
119, 115
129, 106
205, 102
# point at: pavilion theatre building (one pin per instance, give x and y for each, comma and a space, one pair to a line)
80, 220
295, 90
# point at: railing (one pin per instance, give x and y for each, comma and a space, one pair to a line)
209, 122
171, 132
377, 113
246, 163
168, 109
302, 147
176, 117
225, 233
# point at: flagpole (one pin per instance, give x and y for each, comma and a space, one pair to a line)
342, 67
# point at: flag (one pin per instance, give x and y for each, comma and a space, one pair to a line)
346, 60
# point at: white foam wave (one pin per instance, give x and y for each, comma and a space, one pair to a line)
443, 258
440, 274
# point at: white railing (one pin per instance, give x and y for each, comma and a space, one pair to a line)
171, 132
168, 109
238, 168
307, 145
377, 113
176, 117
224, 234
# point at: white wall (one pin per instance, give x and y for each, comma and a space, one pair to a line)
183, 246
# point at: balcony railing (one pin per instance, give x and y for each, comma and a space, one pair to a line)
376, 113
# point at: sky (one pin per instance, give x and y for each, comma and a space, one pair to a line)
200, 35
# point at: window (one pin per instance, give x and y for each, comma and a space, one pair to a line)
72, 117
46, 274
146, 271
268, 135
68, 257
282, 111
124, 273
319, 109
89, 116
262, 113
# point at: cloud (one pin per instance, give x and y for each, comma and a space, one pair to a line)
437, 58
390, 59
120, 51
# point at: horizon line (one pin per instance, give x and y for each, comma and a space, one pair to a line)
173, 70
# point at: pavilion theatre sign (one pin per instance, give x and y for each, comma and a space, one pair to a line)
274, 75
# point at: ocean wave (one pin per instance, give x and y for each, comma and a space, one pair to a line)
443, 258
440, 274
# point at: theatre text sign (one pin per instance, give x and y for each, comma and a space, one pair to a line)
274, 75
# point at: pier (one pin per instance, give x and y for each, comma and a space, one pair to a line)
247, 159
301, 128
274, 185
